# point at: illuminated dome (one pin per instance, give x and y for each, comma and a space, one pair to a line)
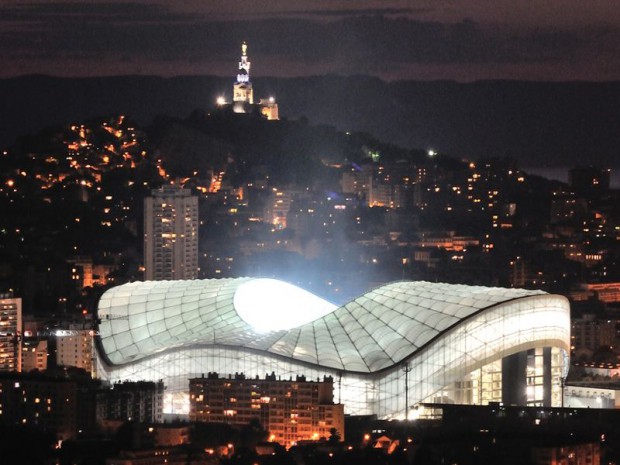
442, 333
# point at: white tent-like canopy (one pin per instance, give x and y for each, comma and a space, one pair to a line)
174, 330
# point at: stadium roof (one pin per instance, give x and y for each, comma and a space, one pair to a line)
375, 331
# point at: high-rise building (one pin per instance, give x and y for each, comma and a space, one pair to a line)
171, 234
10, 333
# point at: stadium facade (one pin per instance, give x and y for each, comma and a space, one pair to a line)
388, 350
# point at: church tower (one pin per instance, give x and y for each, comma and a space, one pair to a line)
242, 89
243, 94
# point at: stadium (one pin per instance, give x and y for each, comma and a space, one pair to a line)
388, 350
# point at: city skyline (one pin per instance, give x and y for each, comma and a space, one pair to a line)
391, 40
395, 245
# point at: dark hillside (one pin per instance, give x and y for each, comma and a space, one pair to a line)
542, 124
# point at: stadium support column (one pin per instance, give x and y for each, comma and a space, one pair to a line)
514, 381
406, 369
547, 381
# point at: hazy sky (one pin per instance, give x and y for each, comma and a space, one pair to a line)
427, 39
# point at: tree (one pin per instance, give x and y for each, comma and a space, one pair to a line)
334, 436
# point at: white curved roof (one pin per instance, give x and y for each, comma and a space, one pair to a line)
375, 331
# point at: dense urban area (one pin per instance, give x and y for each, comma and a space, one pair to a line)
334, 213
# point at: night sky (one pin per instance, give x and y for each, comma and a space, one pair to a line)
546, 40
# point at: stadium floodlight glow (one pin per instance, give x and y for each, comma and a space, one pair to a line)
271, 305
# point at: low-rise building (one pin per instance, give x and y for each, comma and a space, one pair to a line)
290, 410
59, 405
138, 401
34, 355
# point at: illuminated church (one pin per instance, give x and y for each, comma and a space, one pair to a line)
243, 94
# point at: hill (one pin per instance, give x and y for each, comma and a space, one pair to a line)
539, 124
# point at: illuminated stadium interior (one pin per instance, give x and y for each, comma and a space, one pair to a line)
388, 350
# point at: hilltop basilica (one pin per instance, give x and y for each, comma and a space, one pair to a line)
243, 94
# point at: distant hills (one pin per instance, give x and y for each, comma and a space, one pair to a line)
539, 124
